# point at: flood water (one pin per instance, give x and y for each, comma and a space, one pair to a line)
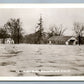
41, 60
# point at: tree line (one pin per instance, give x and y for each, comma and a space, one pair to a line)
13, 29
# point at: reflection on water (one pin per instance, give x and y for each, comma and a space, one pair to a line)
48, 60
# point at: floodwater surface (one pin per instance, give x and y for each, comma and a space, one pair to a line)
41, 60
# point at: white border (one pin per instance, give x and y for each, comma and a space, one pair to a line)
62, 78
41, 5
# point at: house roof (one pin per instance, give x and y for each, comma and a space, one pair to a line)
59, 38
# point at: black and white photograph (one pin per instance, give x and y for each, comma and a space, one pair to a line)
41, 42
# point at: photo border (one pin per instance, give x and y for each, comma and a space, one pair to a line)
62, 78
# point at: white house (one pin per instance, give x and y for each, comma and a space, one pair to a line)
9, 41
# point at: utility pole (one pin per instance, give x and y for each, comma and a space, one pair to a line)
18, 35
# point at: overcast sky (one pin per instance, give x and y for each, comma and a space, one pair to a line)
51, 16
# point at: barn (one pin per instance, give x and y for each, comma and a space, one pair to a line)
68, 40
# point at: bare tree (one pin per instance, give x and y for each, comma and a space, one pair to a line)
56, 30
79, 30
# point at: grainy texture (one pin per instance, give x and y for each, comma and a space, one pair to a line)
41, 60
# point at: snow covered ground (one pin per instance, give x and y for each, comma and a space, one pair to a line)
41, 60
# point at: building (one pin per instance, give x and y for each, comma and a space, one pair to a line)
6, 41
9, 41
68, 40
